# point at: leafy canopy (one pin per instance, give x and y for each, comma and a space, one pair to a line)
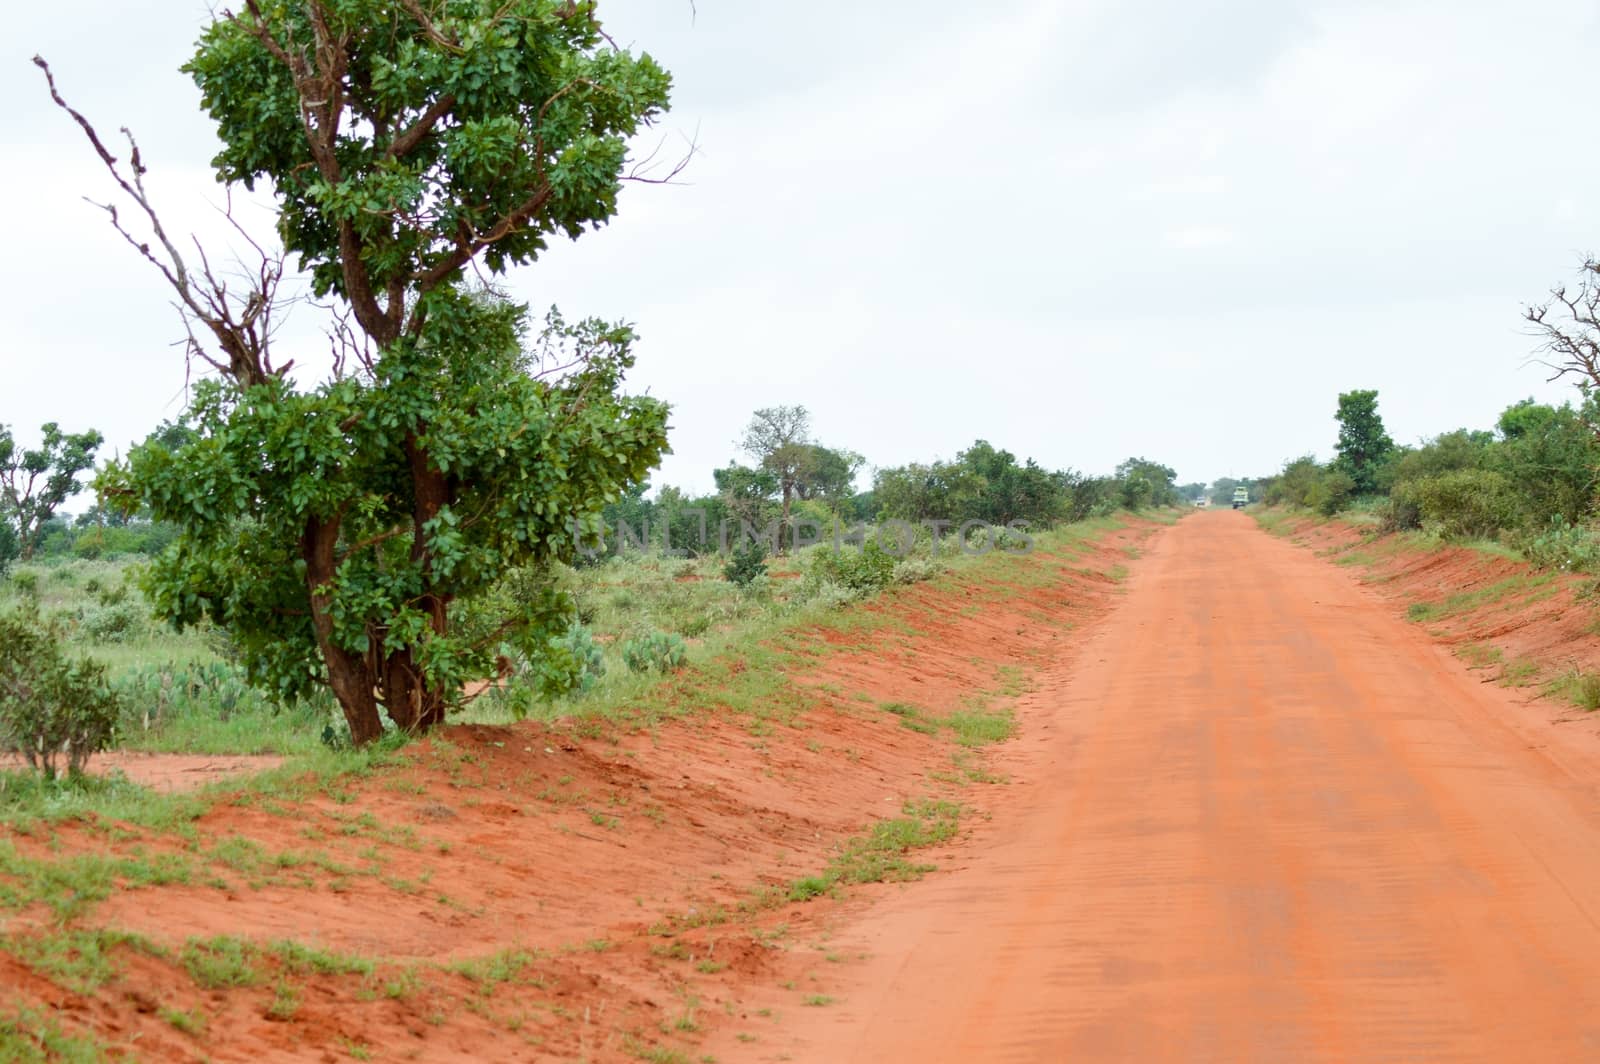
352, 533
34, 483
1363, 445
403, 143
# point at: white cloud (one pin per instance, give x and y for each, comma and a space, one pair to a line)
1079, 230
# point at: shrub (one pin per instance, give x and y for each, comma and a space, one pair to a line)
915, 570
50, 705
10, 545
1402, 511
572, 663
860, 572
747, 562
113, 623
661, 651
1466, 503
1563, 545
26, 581
1331, 492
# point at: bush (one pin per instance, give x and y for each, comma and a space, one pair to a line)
50, 705
916, 569
860, 572
114, 623
26, 582
10, 546
572, 663
1465, 504
661, 651
1331, 492
1403, 510
1563, 545
747, 562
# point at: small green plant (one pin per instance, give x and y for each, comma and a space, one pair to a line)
190, 1023
657, 651
1580, 688
218, 963
285, 1001
50, 704
857, 572
746, 563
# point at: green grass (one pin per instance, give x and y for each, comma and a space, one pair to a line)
882, 854
1529, 587
1519, 673
77, 959
189, 1022
1580, 688
221, 962
31, 1037
976, 726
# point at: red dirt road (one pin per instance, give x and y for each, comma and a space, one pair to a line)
1257, 817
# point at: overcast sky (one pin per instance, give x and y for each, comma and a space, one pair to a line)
1079, 230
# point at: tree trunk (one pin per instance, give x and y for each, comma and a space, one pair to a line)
412, 705
348, 674
783, 525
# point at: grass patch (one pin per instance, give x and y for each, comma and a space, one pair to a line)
1519, 673
79, 960
220, 963
1580, 688
29, 1037
977, 726
881, 855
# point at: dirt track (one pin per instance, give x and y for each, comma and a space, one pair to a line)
1257, 817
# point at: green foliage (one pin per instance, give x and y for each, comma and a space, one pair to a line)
856, 571
655, 651
747, 563
1331, 492
1564, 546
49, 704
268, 461
1363, 444
1551, 456
34, 483
990, 485
572, 664
339, 531
1146, 483
537, 110
10, 545
1465, 504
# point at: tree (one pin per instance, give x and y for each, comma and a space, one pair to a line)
344, 532
1363, 444
1221, 490
1568, 327
34, 483
1147, 483
829, 476
779, 439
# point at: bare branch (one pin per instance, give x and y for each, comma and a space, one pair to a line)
241, 326
1569, 326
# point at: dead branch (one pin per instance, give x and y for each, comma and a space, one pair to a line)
1568, 324
241, 325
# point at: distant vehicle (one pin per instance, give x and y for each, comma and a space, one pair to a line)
1241, 498
1202, 502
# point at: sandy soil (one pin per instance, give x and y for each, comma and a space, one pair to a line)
1262, 818
624, 864
167, 773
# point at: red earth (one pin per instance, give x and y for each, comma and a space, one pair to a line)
1251, 812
